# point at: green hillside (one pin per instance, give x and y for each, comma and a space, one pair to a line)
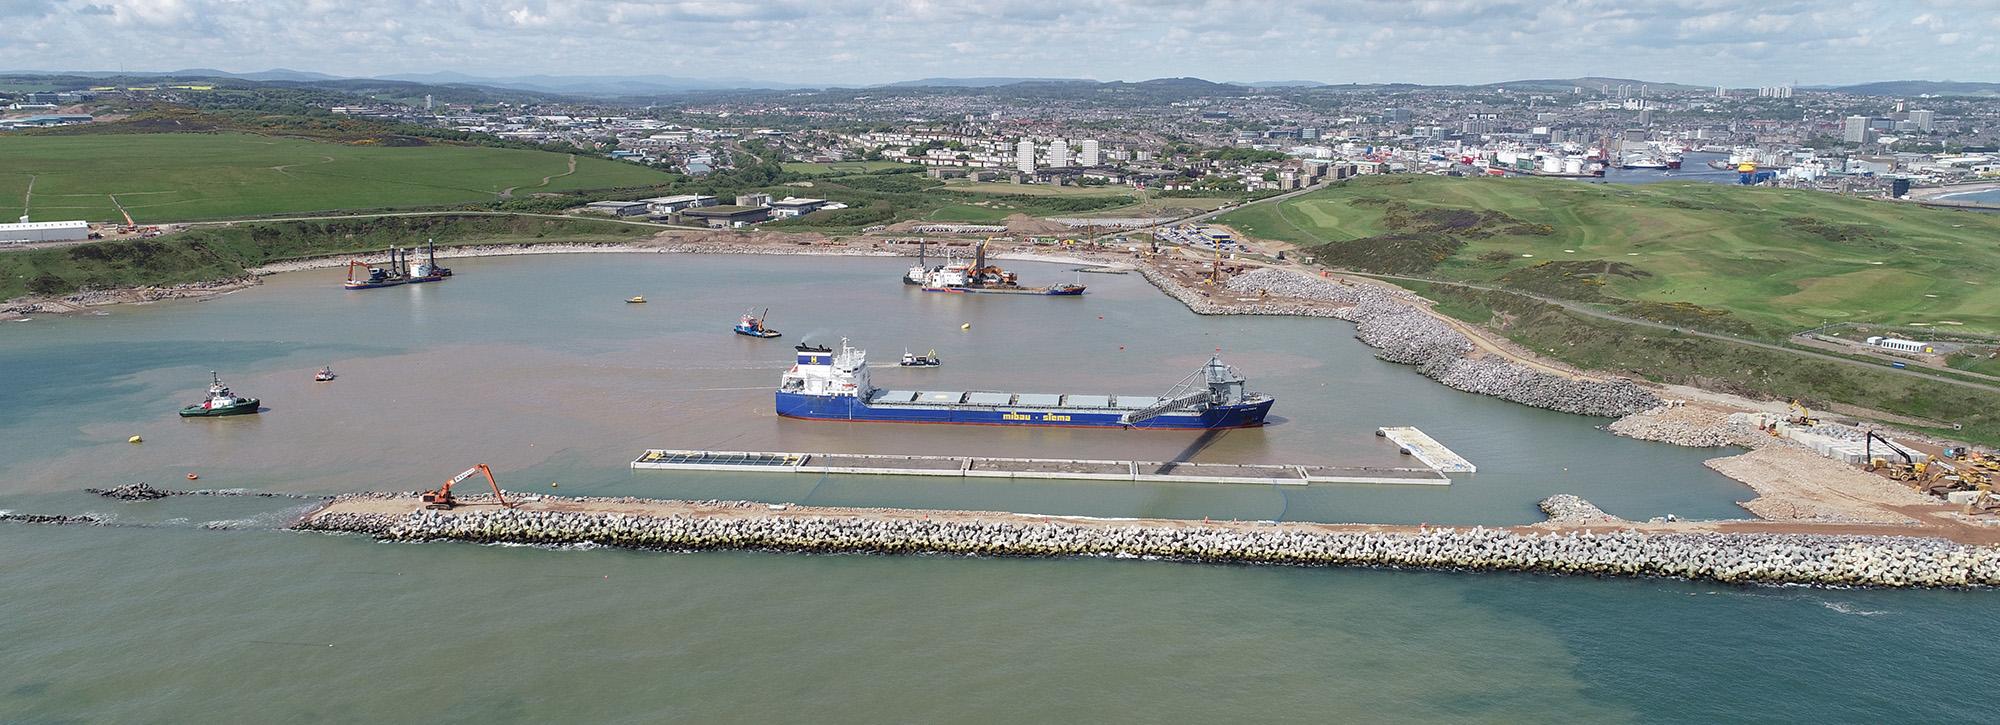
180, 176
212, 253
1726, 257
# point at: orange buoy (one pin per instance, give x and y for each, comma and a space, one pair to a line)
192, 477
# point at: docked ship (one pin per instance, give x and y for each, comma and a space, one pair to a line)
978, 277
827, 385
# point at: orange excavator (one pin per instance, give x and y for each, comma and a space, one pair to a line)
443, 500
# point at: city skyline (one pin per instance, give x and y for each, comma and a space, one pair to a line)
1695, 42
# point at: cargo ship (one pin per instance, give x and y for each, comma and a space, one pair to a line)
827, 385
978, 277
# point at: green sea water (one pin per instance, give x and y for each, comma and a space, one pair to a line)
200, 609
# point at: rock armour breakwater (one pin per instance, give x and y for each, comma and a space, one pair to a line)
1743, 558
1391, 322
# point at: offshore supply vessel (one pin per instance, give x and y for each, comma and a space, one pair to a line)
977, 277
828, 385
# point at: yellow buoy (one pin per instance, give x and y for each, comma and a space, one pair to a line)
966, 326
552, 484
135, 439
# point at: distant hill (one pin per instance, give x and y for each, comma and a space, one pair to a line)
594, 85
978, 82
1594, 83
1276, 84
1921, 88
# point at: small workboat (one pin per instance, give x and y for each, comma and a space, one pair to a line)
920, 361
636, 300
325, 374
752, 325
220, 402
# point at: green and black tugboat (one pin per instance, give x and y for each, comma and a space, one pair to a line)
220, 402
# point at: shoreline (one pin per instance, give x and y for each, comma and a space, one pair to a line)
86, 300
1945, 193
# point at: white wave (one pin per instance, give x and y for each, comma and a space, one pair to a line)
1845, 608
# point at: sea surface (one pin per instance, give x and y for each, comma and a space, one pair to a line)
201, 609
1989, 196
1694, 167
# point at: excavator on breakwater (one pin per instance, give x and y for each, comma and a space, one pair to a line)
442, 499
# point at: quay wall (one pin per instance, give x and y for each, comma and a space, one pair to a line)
1737, 558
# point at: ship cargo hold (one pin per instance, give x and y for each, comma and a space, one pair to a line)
827, 385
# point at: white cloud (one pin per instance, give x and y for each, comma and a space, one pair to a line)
852, 41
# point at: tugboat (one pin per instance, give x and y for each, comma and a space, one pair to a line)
752, 325
325, 374
920, 361
220, 402
428, 270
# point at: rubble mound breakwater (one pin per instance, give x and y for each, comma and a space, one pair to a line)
1743, 558
1391, 322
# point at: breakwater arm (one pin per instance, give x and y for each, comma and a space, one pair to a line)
1392, 322
1731, 556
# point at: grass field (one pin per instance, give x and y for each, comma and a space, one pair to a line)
1669, 357
842, 167
1773, 259
179, 177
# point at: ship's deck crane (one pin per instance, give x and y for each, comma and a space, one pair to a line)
1214, 384
442, 498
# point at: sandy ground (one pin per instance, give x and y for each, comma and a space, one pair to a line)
1796, 484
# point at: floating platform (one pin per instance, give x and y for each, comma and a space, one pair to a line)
1427, 449
662, 459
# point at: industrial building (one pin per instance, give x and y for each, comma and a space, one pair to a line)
617, 208
1901, 345
665, 205
792, 206
724, 217
69, 231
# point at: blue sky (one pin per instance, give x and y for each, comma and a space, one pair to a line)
1704, 42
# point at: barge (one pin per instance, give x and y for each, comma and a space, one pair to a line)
978, 277
827, 385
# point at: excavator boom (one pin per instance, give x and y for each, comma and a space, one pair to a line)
442, 498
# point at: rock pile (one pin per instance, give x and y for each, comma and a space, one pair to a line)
140, 491
1681, 425
81, 519
1734, 558
1570, 509
143, 491
1389, 320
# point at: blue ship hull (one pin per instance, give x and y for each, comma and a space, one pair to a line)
848, 408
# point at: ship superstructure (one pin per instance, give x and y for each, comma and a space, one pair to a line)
825, 384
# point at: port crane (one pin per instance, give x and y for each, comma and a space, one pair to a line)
443, 500
1214, 384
